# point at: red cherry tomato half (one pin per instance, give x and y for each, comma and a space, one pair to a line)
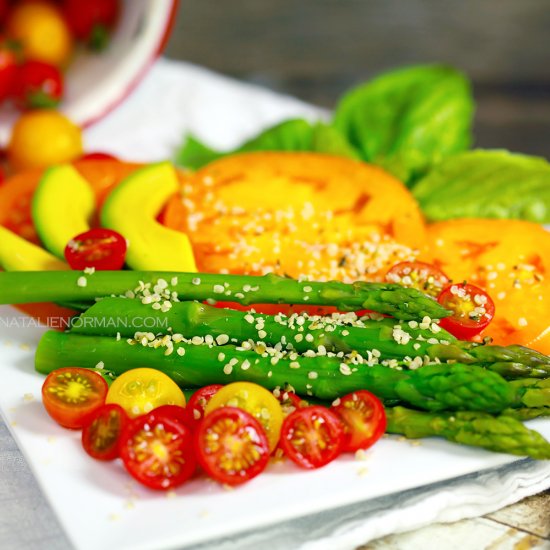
71, 395
289, 401
312, 436
199, 400
180, 414
8, 69
157, 450
90, 21
363, 419
101, 435
472, 310
37, 85
98, 155
102, 249
231, 445
425, 277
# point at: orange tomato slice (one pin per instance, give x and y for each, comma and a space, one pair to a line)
510, 259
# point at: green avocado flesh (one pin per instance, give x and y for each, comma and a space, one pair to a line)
17, 254
62, 207
131, 209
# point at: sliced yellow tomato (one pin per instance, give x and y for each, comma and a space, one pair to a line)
139, 391
510, 259
255, 400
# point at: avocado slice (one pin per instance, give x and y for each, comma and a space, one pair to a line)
17, 254
62, 207
131, 210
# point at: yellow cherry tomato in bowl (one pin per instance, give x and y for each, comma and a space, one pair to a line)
43, 138
139, 391
253, 399
41, 30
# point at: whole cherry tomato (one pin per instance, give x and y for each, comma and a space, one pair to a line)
91, 21
42, 31
97, 155
37, 85
102, 249
8, 69
43, 137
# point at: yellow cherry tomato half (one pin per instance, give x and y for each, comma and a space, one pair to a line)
139, 391
257, 401
43, 138
41, 30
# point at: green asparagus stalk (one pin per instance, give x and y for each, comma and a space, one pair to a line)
525, 413
301, 333
532, 393
496, 433
71, 286
433, 387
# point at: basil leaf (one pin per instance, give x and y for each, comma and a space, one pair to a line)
290, 135
408, 119
487, 184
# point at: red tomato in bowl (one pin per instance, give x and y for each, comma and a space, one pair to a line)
91, 20
8, 69
71, 395
37, 85
102, 249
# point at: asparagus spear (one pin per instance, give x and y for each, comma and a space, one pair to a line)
302, 333
496, 433
71, 286
434, 387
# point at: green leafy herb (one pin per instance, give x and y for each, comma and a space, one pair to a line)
408, 119
487, 184
291, 135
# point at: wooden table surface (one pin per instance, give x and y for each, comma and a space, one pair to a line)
317, 49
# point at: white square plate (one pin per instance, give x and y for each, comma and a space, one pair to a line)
101, 507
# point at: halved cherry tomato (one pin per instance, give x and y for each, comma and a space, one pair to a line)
141, 390
289, 401
231, 445
472, 309
101, 434
98, 156
91, 21
102, 249
425, 277
252, 398
37, 85
157, 450
71, 395
199, 400
177, 412
312, 436
363, 419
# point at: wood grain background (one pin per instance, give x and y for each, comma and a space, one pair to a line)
316, 49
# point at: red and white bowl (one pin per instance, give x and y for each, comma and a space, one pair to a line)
96, 83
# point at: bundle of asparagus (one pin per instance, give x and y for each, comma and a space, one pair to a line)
474, 394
